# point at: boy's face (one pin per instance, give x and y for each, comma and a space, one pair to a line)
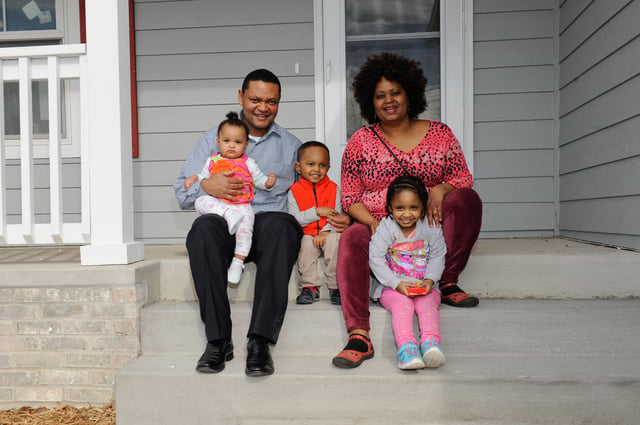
232, 141
314, 164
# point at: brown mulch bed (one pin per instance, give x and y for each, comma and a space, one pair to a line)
62, 415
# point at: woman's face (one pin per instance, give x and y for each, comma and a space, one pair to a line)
390, 100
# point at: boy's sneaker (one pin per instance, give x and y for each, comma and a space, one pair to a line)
335, 296
233, 220
235, 270
432, 354
409, 357
308, 295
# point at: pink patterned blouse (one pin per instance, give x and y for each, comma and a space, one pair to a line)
368, 167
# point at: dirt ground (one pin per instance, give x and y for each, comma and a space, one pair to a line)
62, 415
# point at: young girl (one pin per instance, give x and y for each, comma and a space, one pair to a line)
406, 257
233, 138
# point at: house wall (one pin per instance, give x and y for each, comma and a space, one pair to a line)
600, 121
515, 116
191, 58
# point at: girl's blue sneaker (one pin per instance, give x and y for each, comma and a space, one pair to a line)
432, 354
409, 357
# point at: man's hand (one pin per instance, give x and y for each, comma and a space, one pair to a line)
222, 186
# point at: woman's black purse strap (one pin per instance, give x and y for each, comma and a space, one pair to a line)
386, 145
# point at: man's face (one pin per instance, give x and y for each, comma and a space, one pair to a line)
259, 103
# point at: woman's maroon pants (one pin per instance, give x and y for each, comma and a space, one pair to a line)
462, 211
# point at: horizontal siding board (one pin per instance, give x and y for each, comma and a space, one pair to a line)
613, 107
513, 79
70, 176
165, 146
611, 144
516, 234
205, 92
627, 241
201, 118
501, 164
621, 66
528, 189
571, 10
595, 16
187, 14
151, 199
288, 36
513, 25
596, 182
497, 54
42, 201
609, 215
513, 135
223, 65
173, 225
514, 106
518, 217
614, 34
488, 6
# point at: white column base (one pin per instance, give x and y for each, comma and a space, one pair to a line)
104, 254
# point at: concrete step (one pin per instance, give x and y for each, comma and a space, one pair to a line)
508, 361
498, 268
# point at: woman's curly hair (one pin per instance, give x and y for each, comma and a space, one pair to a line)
407, 72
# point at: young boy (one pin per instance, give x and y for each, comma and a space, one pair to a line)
312, 200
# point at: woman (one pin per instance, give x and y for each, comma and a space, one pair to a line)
390, 92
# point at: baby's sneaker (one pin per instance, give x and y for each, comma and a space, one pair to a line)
432, 354
409, 357
235, 270
233, 220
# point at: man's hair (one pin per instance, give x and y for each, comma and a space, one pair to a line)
311, 144
261, 75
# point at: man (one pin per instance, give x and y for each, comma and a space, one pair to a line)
276, 235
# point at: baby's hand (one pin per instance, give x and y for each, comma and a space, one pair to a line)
271, 180
326, 211
189, 181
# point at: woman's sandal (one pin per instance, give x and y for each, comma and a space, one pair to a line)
458, 298
349, 358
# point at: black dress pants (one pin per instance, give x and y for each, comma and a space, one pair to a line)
274, 250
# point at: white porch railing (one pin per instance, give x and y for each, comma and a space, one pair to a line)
52, 64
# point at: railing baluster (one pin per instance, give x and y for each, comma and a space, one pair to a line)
55, 148
3, 180
26, 149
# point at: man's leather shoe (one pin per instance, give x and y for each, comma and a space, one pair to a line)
214, 356
259, 362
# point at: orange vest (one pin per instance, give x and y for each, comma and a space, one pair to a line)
311, 195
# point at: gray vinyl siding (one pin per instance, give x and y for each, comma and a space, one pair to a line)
515, 118
191, 58
600, 121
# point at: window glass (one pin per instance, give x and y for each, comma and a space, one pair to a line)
406, 27
33, 15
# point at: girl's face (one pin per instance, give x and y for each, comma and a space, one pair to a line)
390, 101
406, 209
232, 141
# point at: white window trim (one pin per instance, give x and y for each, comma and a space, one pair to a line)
456, 32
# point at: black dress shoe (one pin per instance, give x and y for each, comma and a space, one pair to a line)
259, 362
214, 356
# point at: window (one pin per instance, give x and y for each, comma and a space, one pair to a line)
407, 27
39, 23
438, 34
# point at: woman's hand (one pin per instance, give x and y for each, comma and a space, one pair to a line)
339, 222
434, 203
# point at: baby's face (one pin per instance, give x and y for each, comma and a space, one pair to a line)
314, 164
232, 141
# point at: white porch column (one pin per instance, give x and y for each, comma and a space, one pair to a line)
109, 122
